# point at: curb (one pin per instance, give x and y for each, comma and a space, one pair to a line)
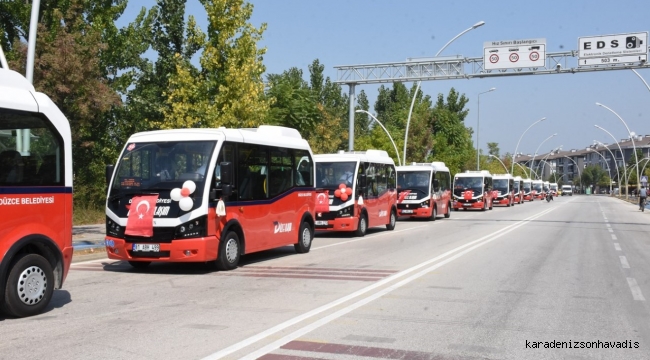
91, 253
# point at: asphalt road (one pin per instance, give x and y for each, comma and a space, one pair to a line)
504, 284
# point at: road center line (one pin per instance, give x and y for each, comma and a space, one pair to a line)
624, 262
276, 344
614, 237
636, 290
617, 246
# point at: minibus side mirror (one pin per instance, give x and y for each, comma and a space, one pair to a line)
227, 175
109, 173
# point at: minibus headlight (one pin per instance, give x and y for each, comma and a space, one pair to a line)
346, 211
192, 229
113, 229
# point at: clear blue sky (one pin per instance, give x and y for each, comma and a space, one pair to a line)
363, 32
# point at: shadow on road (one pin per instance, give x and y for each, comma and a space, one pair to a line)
196, 268
60, 298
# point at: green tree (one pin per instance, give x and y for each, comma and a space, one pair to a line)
316, 109
67, 69
361, 120
452, 139
14, 18
294, 104
493, 148
594, 175
227, 90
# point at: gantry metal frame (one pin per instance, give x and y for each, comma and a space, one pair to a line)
458, 67
454, 67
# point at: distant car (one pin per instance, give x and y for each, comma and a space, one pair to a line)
567, 190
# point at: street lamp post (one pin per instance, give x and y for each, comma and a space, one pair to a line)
546, 157
644, 165
608, 169
622, 156
387, 133
524, 169
618, 174
550, 167
504, 165
514, 156
577, 167
478, 119
636, 158
417, 88
536, 150
642, 79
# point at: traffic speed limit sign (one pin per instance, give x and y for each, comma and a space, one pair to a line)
514, 57
494, 58
534, 56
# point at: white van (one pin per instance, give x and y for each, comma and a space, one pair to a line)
567, 190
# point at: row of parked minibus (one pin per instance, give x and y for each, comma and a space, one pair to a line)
212, 195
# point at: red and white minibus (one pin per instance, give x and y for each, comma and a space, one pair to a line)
529, 192
538, 191
504, 185
424, 190
473, 190
360, 186
202, 195
36, 199
519, 190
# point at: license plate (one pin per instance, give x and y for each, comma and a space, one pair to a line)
146, 247
321, 222
467, 204
407, 211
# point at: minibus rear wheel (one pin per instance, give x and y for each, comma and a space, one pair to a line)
363, 225
29, 287
305, 237
392, 221
448, 213
229, 251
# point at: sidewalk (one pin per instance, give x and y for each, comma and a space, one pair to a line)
634, 201
88, 242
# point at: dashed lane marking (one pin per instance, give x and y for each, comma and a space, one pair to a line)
624, 262
636, 290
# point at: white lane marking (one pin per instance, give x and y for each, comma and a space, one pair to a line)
264, 334
624, 262
93, 261
614, 237
608, 225
636, 290
610, 230
367, 237
617, 246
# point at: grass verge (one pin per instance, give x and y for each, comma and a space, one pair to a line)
82, 215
